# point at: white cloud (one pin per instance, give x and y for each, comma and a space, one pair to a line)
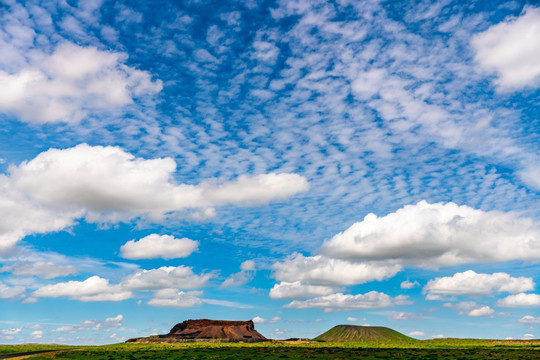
472, 283
180, 277
417, 334
175, 298
12, 331
38, 334
438, 336
531, 173
438, 297
470, 308
512, 50
367, 83
260, 320
19, 216
158, 246
8, 292
433, 235
237, 279
30, 300
322, 270
107, 325
70, 83
44, 270
529, 319
246, 274
256, 190
528, 337
108, 184
297, 290
115, 320
404, 316
353, 319
117, 337
520, 300
66, 329
481, 311
248, 265
409, 284
345, 302
92, 289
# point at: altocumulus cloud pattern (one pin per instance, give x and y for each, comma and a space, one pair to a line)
298, 163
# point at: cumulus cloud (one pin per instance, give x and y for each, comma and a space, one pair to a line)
471, 283
520, 300
409, 284
260, 320
417, 334
297, 290
322, 270
176, 299
481, 311
70, 83
180, 277
96, 288
92, 289
107, 184
20, 216
42, 269
255, 190
440, 234
529, 319
470, 308
512, 50
248, 265
246, 274
345, 302
158, 246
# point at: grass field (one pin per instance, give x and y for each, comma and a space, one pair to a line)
430, 349
7, 349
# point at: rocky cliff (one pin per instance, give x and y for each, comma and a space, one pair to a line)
208, 330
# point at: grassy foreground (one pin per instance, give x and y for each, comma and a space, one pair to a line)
429, 349
8, 349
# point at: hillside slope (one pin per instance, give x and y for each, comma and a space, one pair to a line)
361, 333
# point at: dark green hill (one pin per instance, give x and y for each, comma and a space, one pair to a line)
362, 333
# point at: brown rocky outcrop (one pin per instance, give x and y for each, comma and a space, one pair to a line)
208, 330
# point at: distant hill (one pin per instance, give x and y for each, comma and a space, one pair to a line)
361, 333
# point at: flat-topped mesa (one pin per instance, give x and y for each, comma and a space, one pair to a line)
215, 329
208, 330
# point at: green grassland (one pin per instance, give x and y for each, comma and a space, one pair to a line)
451, 349
8, 349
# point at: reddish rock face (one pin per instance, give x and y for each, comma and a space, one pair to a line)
215, 329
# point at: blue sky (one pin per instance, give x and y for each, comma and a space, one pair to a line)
299, 163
